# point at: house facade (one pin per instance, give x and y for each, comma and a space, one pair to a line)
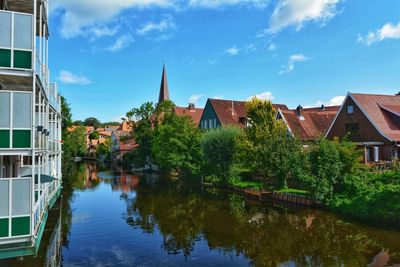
222, 113
373, 122
308, 124
30, 128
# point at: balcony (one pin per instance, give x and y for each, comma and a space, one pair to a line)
16, 40
17, 47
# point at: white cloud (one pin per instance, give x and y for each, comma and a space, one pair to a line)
335, 101
388, 31
194, 98
122, 42
233, 51
219, 3
77, 16
70, 78
164, 25
102, 30
297, 12
250, 48
263, 96
218, 97
291, 63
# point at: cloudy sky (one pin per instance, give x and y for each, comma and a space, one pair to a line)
107, 55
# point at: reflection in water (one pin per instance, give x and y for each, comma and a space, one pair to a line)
113, 218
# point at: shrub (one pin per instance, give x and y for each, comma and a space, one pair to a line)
219, 148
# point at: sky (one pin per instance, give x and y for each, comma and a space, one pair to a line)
107, 56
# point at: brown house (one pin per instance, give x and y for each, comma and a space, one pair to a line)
308, 124
222, 113
373, 121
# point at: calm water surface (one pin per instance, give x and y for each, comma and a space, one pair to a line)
116, 219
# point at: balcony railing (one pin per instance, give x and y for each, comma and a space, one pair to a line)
16, 48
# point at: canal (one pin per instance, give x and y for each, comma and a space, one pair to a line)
111, 218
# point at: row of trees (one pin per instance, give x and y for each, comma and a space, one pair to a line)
91, 121
262, 155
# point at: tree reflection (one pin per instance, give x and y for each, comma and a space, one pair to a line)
266, 235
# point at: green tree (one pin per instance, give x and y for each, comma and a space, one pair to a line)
78, 123
141, 120
219, 148
94, 135
66, 115
176, 145
104, 149
92, 122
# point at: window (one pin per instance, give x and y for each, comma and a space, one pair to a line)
376, 153
215, 123
205, 124
22, 110
5, 29
350, 109
4, 110
210, 123
22, 31
353, 129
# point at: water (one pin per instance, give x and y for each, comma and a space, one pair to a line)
116, 219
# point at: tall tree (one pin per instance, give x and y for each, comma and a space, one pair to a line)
92, 122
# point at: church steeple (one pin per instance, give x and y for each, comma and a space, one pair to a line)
164, 91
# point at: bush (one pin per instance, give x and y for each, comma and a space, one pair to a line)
369, 195
219, 149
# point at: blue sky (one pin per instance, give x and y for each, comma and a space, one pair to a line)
107, 55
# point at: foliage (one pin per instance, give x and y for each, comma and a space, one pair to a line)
368, 195
104, 149
92, 122
141, 120
329, 162
110, 123
66, 115
74, 143
246, 184
176, 145
266, 147
294, 191
94, 135
78, 123
219, 148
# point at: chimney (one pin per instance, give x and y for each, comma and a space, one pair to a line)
299, 110
191, 106
323, 107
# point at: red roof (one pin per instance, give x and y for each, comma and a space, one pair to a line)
312, 124
381, 111
191, 111
229, 112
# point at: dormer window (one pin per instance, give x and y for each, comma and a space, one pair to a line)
350, 109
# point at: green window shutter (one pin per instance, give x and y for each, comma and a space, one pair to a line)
4, 227
4, 138
5, 58
21, 226
21, 139
22, 59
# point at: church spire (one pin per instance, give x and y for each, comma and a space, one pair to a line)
164, 91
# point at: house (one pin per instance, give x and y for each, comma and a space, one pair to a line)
190, 111
222, 113
308, 124
122, 143
30, 128
373, 121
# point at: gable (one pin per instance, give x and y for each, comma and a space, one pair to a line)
209, 114
367, 131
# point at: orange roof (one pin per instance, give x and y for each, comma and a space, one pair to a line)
125, 126
312, 123
191, 111
383, 111
229, 112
